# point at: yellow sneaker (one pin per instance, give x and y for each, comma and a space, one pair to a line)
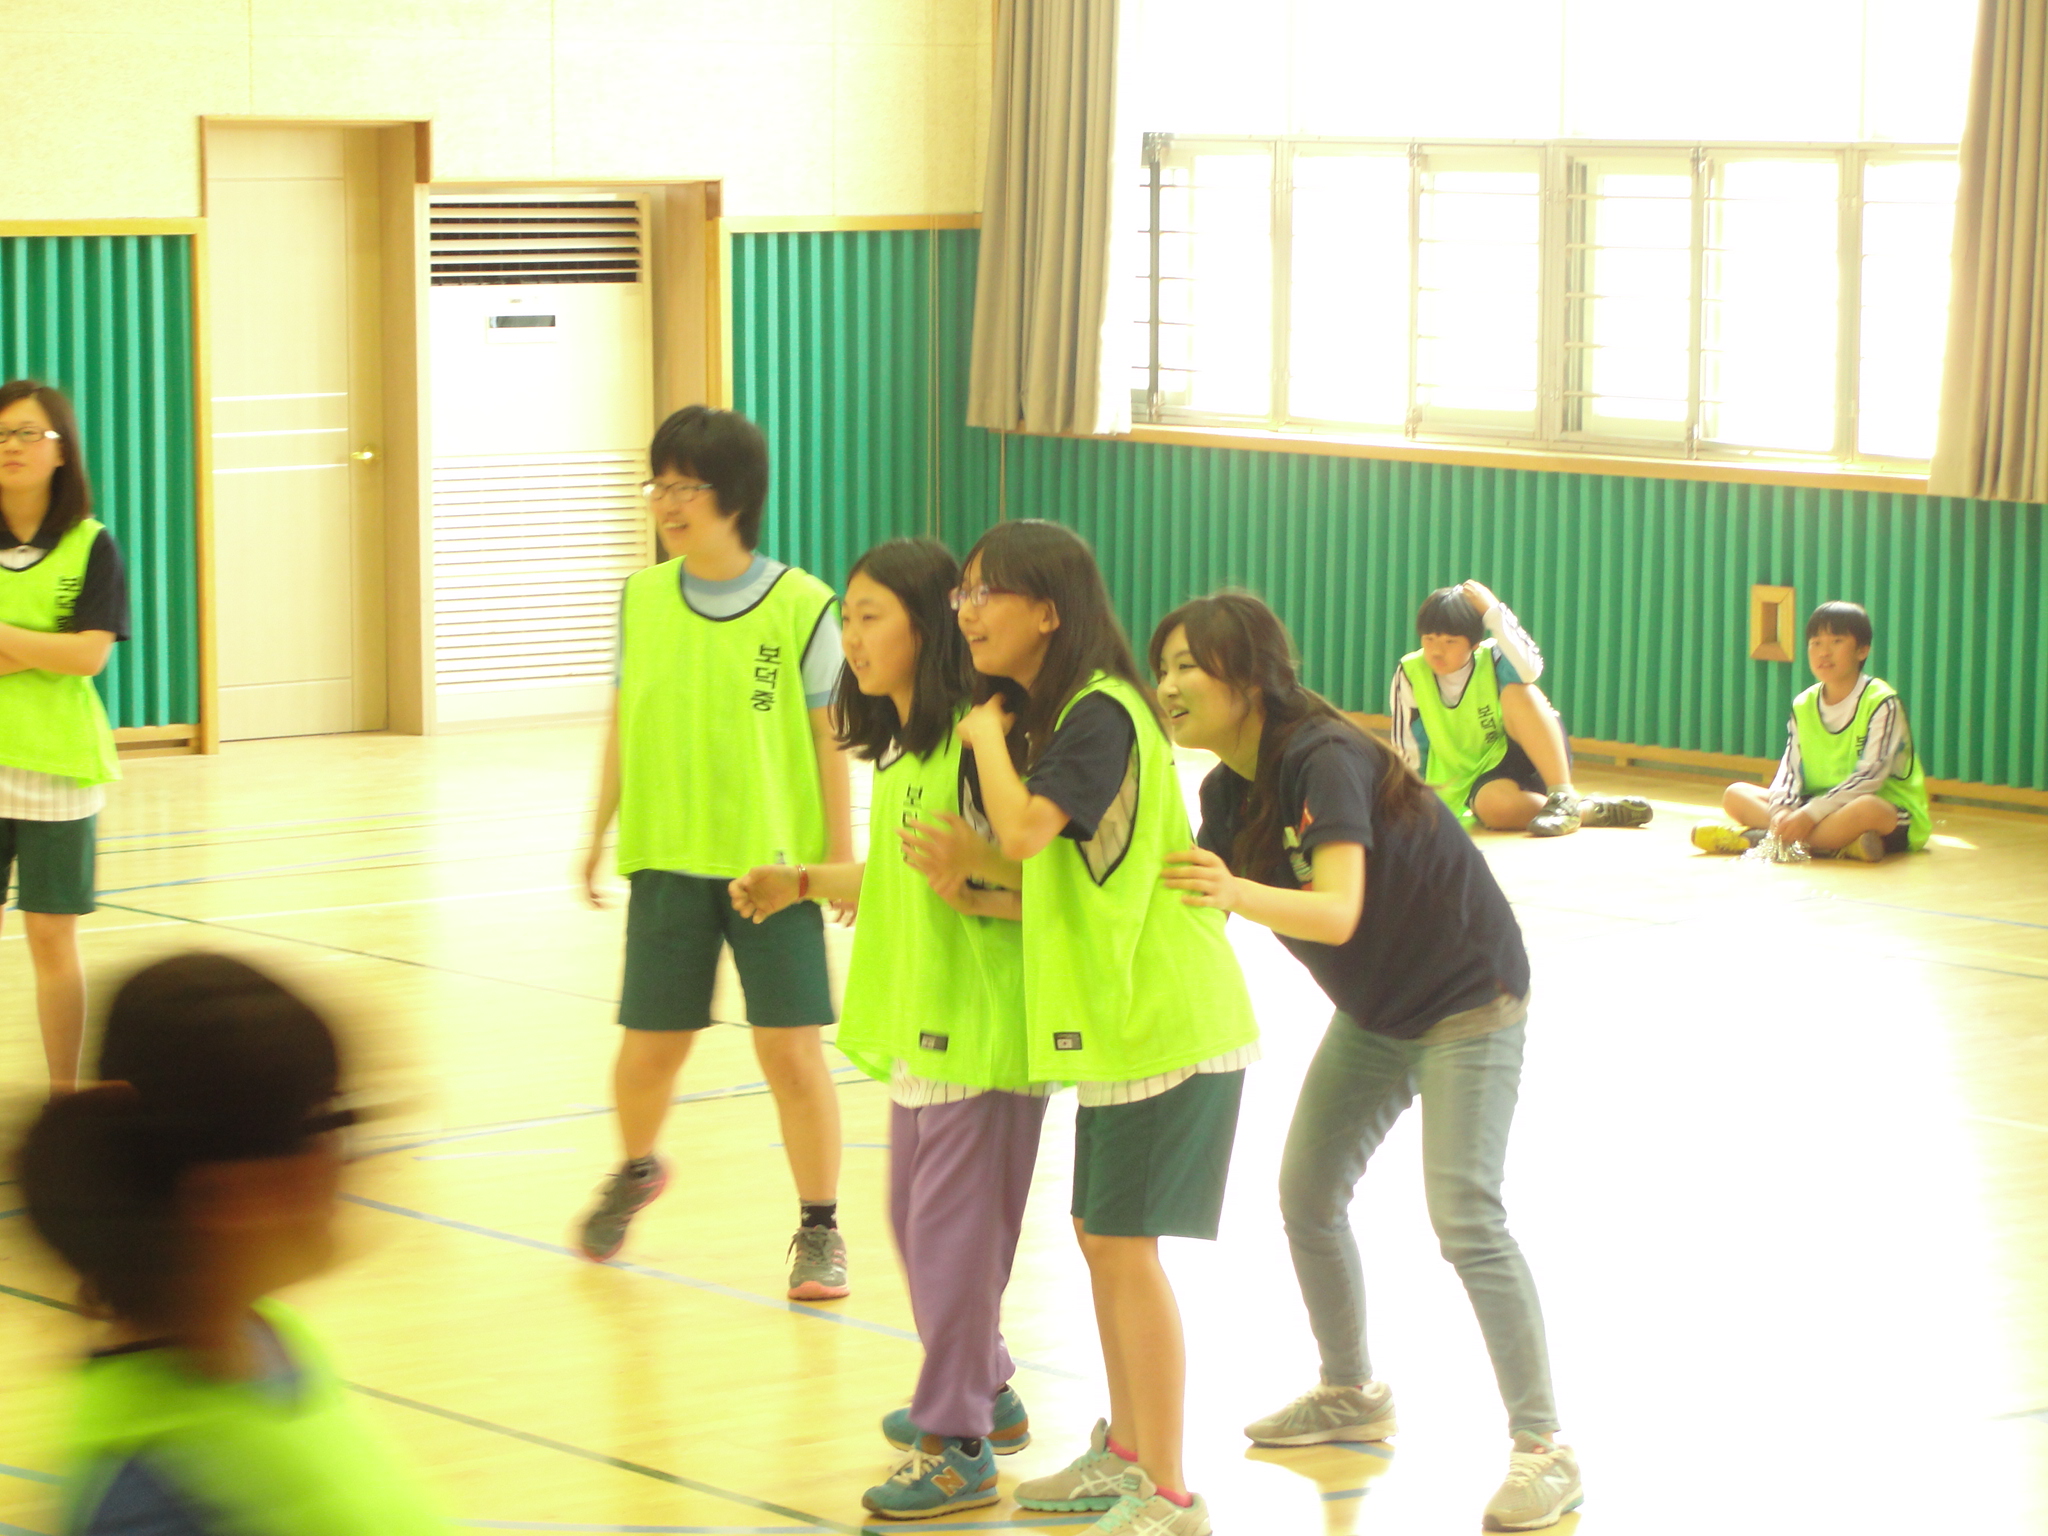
1709, 838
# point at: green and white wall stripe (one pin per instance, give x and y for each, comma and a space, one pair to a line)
851, 348
109, 320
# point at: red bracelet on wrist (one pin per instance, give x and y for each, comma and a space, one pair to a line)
803, 883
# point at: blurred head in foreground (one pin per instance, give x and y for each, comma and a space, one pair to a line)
202, 1173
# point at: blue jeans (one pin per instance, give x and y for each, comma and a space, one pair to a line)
1356, 1089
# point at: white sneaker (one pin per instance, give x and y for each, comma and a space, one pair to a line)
1542, 1487
1091, 1481
1142, 1510
1329, 1413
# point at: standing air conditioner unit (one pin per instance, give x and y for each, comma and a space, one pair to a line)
542, 398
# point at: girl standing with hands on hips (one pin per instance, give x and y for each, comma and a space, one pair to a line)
1128, 993
63, 604
934, 1007
1319, 833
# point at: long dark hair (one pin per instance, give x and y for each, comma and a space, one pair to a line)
205, 1059
920, 572
70, 488
1051, 563
1239, 641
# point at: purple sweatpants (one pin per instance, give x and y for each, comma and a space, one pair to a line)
958, 1178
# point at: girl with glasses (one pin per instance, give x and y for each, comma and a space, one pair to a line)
63, 604
1129, 993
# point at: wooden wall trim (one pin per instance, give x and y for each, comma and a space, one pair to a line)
208, 736
1405, 452
816, 224
1628, 755
31, 227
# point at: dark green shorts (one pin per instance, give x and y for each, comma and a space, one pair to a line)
53, 861
1156, 1168
675, 927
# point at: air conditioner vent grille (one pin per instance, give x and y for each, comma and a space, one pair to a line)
529, 555
534, 240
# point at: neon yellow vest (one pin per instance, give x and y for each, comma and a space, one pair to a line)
717, 771
1464, 742
1827, 757
1121, 980
310, 1466
942, 993
51, 722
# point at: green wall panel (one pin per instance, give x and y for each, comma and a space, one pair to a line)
108, 319
852, 350
1637, 590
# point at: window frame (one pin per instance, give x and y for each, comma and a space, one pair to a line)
1560, 379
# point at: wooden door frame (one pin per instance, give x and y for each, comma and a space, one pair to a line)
199, 735
405, 156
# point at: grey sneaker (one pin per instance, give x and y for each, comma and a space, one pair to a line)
1093, 1480
1542, 1487
819, 1273
1614, 811
1329, 1413
1142, 1510
625, 1196
1559, 816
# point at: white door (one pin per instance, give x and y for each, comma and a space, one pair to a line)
298, 520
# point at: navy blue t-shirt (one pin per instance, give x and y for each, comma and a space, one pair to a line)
1436, 936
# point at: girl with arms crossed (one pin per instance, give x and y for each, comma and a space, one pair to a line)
1317, 832
63, 604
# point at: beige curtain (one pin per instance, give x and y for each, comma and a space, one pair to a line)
1042, 288
1993, 440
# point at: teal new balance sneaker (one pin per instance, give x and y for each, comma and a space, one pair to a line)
939, 1478
1011, 1434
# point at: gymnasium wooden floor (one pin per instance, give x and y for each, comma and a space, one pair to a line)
1781, 1169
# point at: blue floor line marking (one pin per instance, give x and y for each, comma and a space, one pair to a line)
29, 1476
1363, 1448
261, 826
737, 1091
19, 1530
709, 1287
17, 1211
1345, 1493
365, 954
1961, 917
270, 869
41, 1301
802, 1518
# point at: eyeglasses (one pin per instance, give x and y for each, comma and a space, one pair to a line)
25, 434
975, 597
680, 491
